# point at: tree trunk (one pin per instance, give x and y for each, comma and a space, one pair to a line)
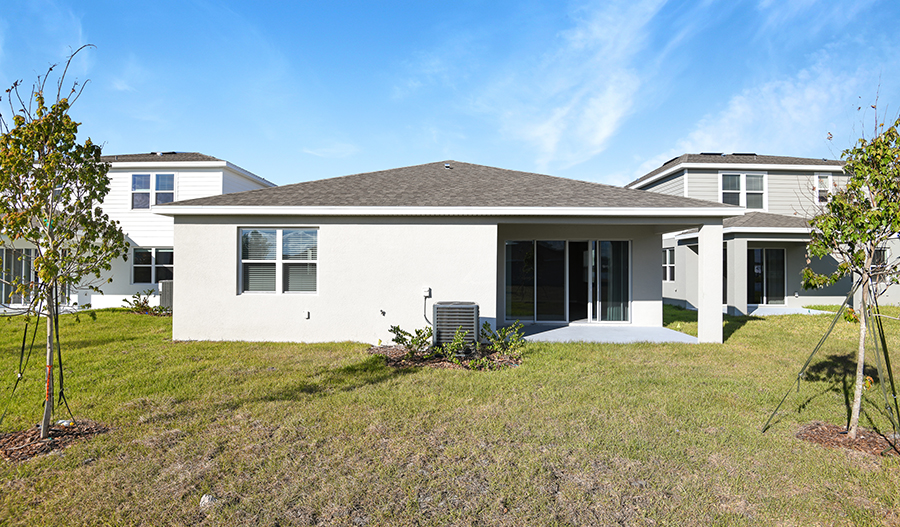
860, 361
48, 401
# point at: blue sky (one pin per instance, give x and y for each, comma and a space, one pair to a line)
600, 91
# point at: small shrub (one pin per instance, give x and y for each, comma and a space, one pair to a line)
457, 346
140, 302
509, 341
414, 343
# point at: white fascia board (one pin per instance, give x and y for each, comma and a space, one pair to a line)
143, 165
750, 230
735, 167
706, 212
766, 230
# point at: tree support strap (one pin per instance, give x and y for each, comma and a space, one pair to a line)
23, 364
881, 340
62, 394
802, 371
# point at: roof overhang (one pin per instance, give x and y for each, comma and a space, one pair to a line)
754, 233
732, 166
661, 212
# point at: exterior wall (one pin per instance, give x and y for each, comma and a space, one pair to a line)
672, 185
704, 184
892, 295
790, 194
371, 275
234, 182
198, 183
646, 294
670, 290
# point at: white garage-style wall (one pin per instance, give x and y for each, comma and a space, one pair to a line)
372, 273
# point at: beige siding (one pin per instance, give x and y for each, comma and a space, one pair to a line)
672, 185
791, 193
703, 184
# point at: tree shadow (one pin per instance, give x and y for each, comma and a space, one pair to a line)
372, 370
840, 372
732, 324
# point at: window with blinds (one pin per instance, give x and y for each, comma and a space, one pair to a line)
270, 257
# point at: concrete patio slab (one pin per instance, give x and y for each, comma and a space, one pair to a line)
604, 334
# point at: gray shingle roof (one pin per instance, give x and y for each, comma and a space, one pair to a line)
764, 220
461, 185
719, 159
156, 157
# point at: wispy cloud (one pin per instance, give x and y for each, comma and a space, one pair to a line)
787, 116
570, 104
814, 15
333, 150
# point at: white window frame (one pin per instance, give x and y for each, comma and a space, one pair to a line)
668, 264
279, 261
152, 191
817, 199
153, 265
743, 190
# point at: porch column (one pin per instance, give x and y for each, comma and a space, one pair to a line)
737, 276
709, 297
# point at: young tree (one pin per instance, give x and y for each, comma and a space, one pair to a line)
855, 225
51, 188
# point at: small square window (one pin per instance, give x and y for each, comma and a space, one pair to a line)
165, 182
140, 182
731, 182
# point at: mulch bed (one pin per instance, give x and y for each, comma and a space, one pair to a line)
833, 436
25, 444
396, 357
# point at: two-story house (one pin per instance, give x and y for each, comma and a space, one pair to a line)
137, 183
764, 251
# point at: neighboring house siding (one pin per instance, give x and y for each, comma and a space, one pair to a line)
672, 186
198, 184
790, 194
142, 227
704, 184
236, 183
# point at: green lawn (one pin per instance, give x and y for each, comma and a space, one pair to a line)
581, 434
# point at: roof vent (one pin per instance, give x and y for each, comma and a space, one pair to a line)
711, 153
446, 166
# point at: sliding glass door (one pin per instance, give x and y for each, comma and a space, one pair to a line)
566, 281
765, 276
612, 282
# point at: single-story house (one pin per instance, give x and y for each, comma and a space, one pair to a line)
345, 258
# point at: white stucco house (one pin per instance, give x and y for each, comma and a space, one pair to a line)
345, 258
137, 183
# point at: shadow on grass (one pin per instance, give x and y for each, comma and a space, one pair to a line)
372, 370
672, 315
840, 372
